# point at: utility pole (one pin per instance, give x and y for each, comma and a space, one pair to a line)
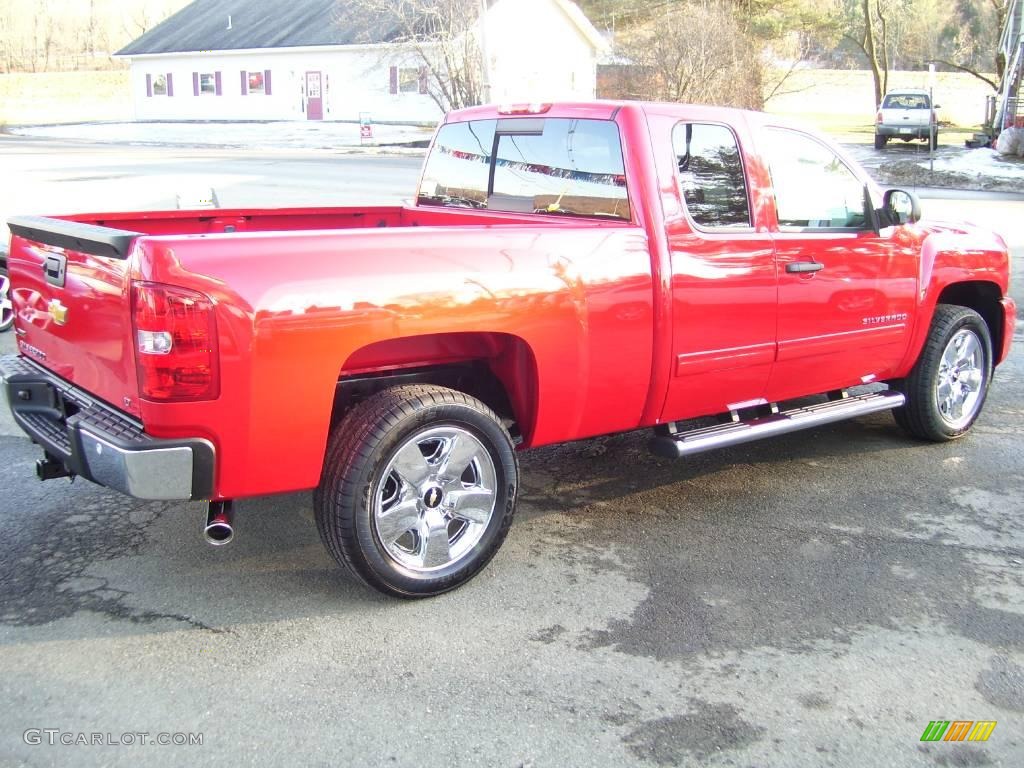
485, 59
933, 118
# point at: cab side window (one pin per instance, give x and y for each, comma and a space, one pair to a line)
814, 188
711, 177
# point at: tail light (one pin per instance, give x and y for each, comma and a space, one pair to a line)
176, 343
878, 117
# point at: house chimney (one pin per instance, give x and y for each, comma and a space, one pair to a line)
229, 21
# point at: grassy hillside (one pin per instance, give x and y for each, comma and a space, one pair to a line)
841, 102
64, 97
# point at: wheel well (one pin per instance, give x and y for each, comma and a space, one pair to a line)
497, 369
983, 298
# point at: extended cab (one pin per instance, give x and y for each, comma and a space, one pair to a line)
566, 271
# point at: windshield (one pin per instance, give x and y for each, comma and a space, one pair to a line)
529, 165
905, 101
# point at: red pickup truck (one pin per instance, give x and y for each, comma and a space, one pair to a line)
566, 271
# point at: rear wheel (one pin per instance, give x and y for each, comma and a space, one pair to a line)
418, 490
946, 390
6, 306
933, 140
880, 141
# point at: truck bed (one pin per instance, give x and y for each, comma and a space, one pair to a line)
221, 220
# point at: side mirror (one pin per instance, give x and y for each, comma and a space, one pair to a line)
901, 207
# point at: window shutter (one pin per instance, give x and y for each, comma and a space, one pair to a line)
170, 84
394, 80
424, 79
245, 83
195, 83
266, 82
217, 83
149, 85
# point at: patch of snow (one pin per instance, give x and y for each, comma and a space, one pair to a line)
1011, 142
980, 162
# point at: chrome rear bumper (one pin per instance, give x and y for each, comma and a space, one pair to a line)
94, 441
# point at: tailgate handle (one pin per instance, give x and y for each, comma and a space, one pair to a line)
56, 268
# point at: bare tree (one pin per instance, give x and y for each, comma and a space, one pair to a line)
978, 27
443, 36
694, 51
868, 27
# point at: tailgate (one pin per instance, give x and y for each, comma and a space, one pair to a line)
911, 118
72, 302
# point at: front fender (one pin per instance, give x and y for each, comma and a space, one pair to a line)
953, 255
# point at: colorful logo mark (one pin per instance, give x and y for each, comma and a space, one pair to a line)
958, 730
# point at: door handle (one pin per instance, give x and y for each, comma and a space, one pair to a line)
804, 267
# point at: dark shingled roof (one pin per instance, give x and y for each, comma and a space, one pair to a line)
203, 26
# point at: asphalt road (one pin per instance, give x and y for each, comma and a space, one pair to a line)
814, 600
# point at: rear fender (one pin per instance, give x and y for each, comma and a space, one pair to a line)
497, 368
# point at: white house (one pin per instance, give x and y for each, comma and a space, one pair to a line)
308, 60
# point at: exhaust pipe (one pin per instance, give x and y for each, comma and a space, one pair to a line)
219, 531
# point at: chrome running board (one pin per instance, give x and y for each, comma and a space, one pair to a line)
678, 444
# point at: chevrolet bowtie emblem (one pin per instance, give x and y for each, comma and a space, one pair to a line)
57, 311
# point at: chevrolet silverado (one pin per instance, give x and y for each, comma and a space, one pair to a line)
565, 271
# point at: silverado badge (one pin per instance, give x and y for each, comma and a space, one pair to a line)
57, 311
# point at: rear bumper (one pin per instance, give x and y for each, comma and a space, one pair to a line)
904, 131
1010, 324
99, 443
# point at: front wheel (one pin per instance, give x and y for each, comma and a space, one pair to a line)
6, 307
418, 490
947, 387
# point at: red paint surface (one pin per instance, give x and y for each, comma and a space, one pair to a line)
592, 326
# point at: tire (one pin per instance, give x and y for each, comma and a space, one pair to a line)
947, 387
880, 141
933, 141
389, 507
6, 307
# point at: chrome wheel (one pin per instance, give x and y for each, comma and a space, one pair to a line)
960, 382
6, 307
435, 499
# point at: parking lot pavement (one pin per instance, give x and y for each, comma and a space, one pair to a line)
813, 600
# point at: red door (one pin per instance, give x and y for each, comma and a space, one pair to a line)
846, 294
314, 96
724, 286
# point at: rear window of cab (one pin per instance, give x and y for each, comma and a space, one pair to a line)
555, 166
906, 101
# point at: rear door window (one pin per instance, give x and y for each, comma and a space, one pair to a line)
711, 177
556, 166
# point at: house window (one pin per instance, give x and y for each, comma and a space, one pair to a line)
255, 83
160, 85
207, 83
408, 80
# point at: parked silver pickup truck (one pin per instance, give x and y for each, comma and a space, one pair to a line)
906, 114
